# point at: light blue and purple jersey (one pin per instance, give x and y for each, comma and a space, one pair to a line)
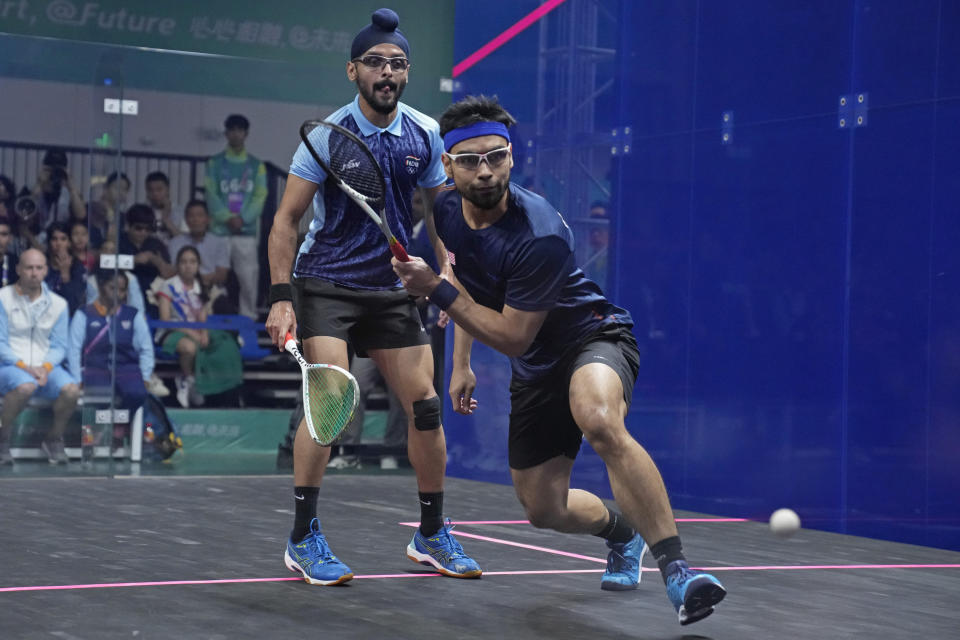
343, 245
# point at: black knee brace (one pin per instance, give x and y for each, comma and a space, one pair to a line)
426, 414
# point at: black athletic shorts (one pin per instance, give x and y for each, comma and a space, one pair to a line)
541, 425
365, 319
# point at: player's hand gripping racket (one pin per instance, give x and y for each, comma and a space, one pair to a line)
330, 396
352, 166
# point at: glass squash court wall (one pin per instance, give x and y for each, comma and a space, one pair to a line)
790, 269
782, 228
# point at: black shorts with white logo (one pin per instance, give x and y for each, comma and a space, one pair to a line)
541, 424
365, 319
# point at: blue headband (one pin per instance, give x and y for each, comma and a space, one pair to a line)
475, 130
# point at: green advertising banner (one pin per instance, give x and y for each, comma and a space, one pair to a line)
221, 46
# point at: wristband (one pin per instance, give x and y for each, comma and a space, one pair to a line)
281, 292
443, 295
47, 366
22, 364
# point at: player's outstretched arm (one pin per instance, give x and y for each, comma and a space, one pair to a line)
510, 332
281, 249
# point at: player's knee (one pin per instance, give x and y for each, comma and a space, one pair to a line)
426, 414
602, 428
542, 516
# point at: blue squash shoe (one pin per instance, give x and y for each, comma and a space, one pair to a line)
693, 594
623, 564
312, 558
442, 552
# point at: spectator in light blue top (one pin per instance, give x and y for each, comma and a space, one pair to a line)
91, 354
33, 343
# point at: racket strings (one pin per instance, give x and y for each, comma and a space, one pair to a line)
330, 399
356, 167
349, 159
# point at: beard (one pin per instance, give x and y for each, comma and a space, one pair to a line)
488, 198
384, 106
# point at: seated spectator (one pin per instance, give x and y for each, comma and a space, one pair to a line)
169, 216
214, 250
80, 246
150, 256
65, 275
210, 361
7, 250
394, 438
133, 298
107, 213
92, 355
33, 344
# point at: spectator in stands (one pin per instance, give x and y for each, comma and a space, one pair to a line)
596, 266
150, 256
168, 215
132, 297
214, 250
92, 354
58, 198
7, 251
65, 274
33, 344
107, 213
209, 360
394, 438
8, 197
80, 245
236, 188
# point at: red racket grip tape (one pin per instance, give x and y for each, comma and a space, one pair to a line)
399, 252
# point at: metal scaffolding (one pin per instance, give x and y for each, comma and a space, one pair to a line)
571, 154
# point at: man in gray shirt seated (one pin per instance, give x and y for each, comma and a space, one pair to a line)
214, 250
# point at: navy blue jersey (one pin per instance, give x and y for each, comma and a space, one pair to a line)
343, 244
525, 260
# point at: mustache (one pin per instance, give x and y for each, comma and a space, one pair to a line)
384, 84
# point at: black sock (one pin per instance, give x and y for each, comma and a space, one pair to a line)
617, 529
666, 551
431, 512
305, 501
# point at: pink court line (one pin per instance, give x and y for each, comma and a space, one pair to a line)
506, 36
852, 567
417, 524
510, 543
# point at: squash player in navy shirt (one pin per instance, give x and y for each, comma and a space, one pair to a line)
347, 293
518, 289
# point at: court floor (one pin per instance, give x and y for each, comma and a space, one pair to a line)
201, 557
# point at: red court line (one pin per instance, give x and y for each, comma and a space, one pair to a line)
506, 36
821, 567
